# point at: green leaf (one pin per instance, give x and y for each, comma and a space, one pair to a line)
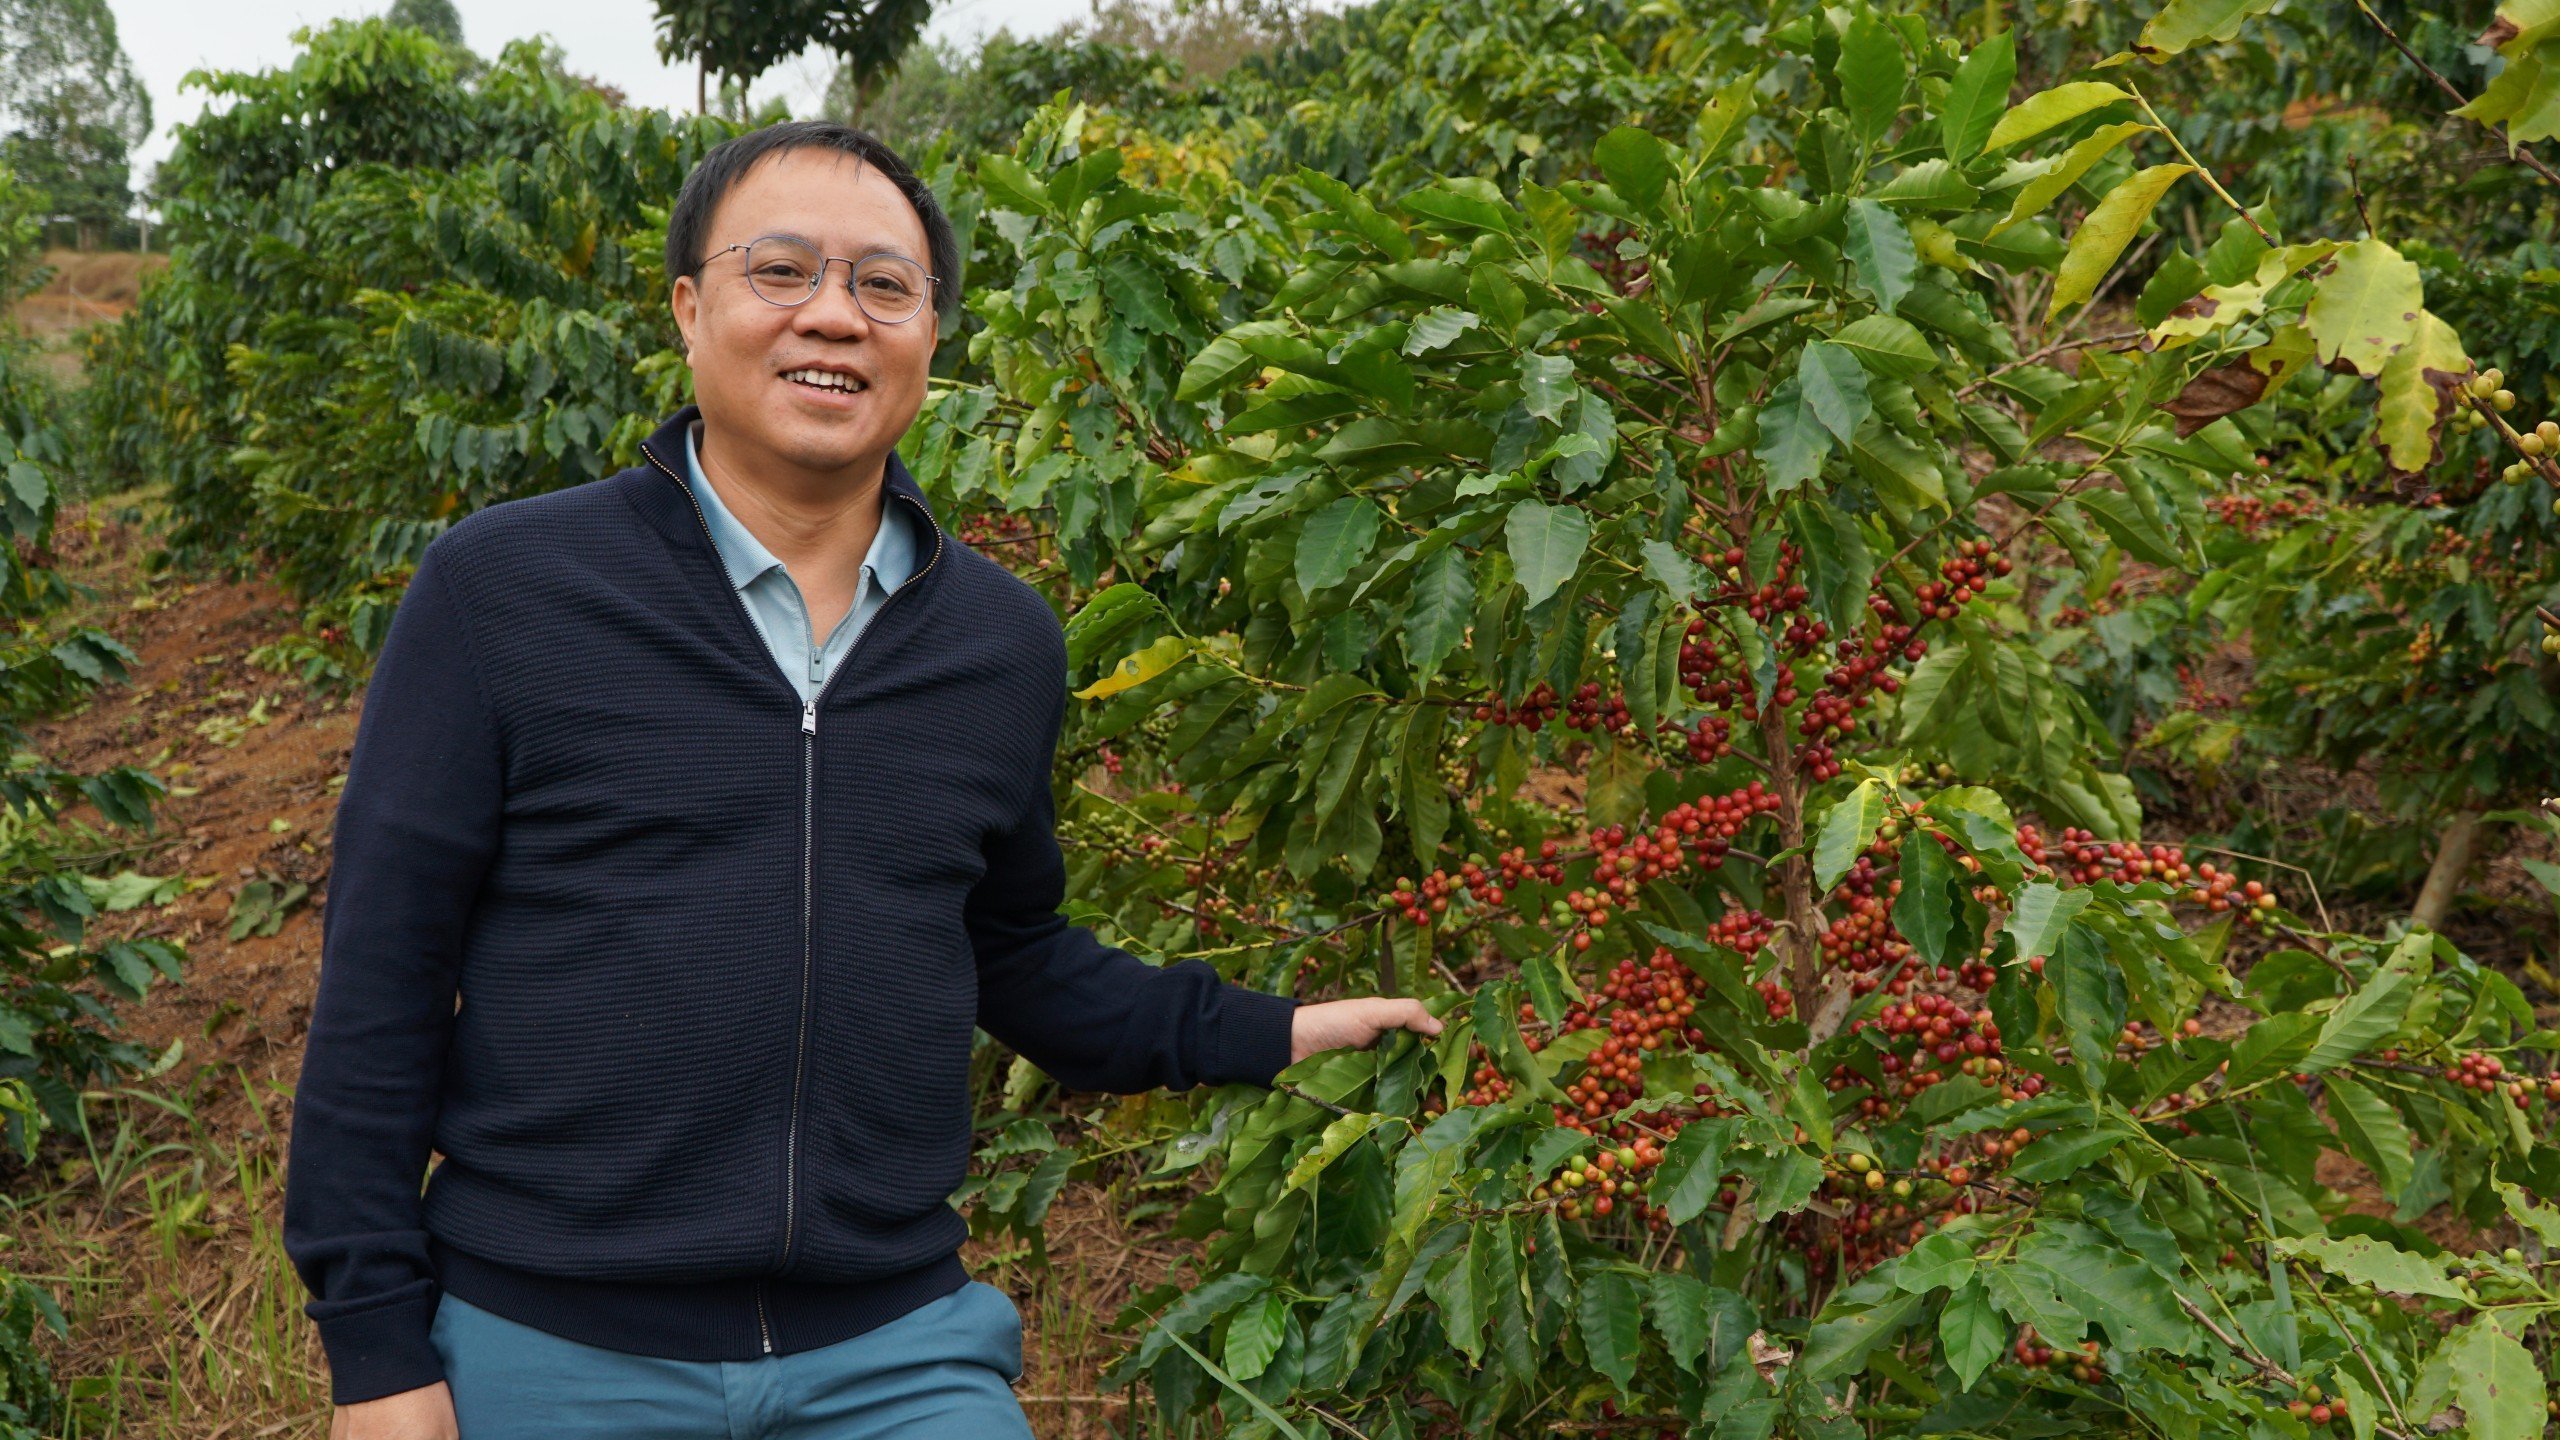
1692, 1169
2104, 234
1834, 387
1611, 1311
1437, 327
2090, 1002
1683, 1310
2182, 23
1881, 248
1847, 829
2064, 1152
1976, 95
1546, 544
1546, 383
1940, 1259
1254, 1402
2073, 1276
1253, 1335
1439, 608
1930, 185
2047, 108
2371, 1014
1926, 910
2496, 1383
1792, 442
1105, 618
2373, 1131
1871, 74
2075, 162
1335, 540
1341, 1135
2367, 307
1888, 345
1670, 567
2273, 1046
1636, 165
2043, 910
1971, 1333
1843, 1336
1886, 458
2377, 1264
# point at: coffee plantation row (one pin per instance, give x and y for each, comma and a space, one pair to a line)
1687, 537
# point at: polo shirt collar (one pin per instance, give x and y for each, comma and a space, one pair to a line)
892, 558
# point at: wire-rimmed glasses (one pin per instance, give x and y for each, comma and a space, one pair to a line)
786, 271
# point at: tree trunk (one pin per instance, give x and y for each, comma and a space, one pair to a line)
2444, 878
702, 85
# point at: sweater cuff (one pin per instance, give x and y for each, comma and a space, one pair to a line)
1251, 1044
381, 1351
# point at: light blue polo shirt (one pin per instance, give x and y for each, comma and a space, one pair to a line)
773, 598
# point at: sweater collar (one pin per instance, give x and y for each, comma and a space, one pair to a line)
665, 451
891, 559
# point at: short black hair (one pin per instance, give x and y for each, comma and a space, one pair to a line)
719, 172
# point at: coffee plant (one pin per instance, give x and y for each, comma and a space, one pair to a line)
1628, 523
1791, 1081
57, 983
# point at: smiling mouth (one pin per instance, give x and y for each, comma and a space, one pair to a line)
828, 380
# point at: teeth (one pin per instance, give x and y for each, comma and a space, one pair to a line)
825, 380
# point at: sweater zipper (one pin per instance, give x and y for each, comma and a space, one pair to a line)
808, 892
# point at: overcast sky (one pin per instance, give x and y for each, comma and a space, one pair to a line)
612, 40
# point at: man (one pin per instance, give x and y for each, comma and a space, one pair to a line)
718, 792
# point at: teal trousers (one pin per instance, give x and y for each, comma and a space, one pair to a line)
943, 1371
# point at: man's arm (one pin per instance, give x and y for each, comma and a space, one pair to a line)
1095, 1017
417, 823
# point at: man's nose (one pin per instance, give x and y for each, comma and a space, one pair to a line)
832, 312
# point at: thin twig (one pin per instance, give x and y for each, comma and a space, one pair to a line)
2514, 151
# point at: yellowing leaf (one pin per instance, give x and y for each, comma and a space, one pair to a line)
1139, 668
2367, 307
2182, 23
2418, 393
2047, 108
2040, 192
2103, 236
2220, 307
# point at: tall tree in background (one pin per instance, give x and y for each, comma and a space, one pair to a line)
436, 17
741, 39
71, 108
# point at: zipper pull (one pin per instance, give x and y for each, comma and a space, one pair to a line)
809, 717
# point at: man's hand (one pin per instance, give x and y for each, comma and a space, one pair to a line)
425, 1413
1354, 1024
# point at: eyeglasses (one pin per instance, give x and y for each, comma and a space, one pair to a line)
783, 271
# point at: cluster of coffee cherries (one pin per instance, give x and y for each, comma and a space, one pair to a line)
1922, 1035
2083, 858
1591, 712
1486, 1085
1597, 1185
2249, 513
2084, 1362
1530, 712
1962, 576
1424, 904
1708, 740
2311, 1405
1645, 1008
2487, 1074
2541, 440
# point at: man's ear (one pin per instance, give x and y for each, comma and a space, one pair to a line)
683, 300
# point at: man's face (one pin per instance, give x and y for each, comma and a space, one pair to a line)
740, 346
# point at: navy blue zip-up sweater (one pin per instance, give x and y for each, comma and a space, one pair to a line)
717, 954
